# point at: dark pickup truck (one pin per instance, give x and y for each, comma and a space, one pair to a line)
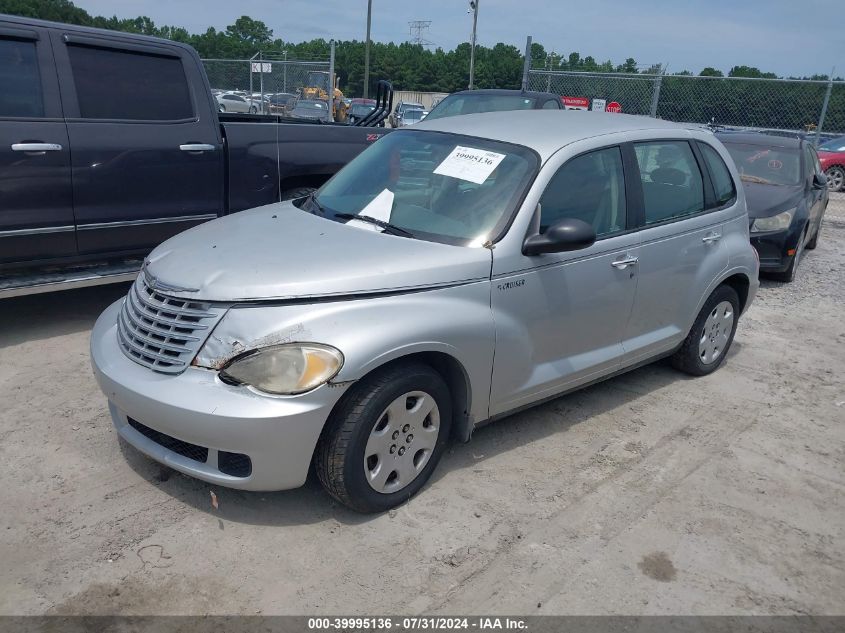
110, 143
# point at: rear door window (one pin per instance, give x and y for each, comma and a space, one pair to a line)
129, 85
723, 184
671, 180
20, 80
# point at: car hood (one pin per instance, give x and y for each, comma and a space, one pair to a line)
280, 252
767, 200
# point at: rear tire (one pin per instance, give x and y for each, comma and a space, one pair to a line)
707, 344
365, 458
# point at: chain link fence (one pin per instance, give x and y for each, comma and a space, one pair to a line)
771, 104
266, 77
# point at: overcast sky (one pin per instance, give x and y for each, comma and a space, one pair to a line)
788, 37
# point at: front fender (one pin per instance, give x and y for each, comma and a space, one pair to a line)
371, 332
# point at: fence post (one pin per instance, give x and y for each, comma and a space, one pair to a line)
250, 75
655, 97
824, 106
527, 65
331, 84
261, 66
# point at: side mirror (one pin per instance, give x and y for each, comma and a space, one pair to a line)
819, 181
567, 235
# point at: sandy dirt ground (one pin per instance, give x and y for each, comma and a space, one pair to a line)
652, 493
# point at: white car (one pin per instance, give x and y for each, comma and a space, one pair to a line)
230, 102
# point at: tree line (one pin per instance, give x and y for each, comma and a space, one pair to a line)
408, 66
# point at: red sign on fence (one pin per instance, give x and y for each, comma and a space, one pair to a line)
575, 103
613, 106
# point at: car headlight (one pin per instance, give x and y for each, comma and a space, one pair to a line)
775, 223
285, 369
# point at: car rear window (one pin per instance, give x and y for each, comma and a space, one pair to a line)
471, 104
20, 94
112, 84
723, 184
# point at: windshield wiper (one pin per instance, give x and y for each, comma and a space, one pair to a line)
757, 179
387, 226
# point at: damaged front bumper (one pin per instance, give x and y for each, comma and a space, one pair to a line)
195, 423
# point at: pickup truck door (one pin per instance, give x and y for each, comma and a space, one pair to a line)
147, 155
36, 210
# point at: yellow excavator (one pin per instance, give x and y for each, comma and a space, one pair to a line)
316, 85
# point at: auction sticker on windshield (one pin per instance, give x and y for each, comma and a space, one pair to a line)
467, 163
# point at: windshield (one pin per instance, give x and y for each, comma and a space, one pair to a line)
836, 145
439, 187
454, 105
766, 165
412, 115
361, 109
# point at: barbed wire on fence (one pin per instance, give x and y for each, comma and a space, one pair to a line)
783, 104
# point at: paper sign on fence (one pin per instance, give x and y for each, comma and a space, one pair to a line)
467, 163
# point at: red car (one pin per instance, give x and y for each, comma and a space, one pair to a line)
832, 158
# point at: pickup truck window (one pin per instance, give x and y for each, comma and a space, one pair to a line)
20, 95
112, 84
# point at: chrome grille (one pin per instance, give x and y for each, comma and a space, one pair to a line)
163, 333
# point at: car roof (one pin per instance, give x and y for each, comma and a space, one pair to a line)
755, 138
545, 131
504, 92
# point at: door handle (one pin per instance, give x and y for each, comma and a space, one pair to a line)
711, 237
197, 147
621, 264
36, 147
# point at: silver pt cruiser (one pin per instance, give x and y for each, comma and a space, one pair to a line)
451, 274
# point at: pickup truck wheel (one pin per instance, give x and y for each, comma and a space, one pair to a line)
299, 192
705, 347
385, 439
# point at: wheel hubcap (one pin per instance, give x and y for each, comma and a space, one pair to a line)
401, 442
717, 331
835, 179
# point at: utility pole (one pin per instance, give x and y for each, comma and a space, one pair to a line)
367, 50
474, 6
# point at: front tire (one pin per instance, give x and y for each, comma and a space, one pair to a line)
705, 347
384, 440
788, 276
